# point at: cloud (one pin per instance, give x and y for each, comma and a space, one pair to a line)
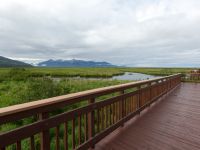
123, 32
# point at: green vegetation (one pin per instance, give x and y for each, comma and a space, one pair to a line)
16, 92
19, 86
88, 72
158, 71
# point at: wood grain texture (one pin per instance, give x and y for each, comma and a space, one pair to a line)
172, 123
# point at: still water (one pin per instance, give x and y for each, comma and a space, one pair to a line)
134, 76
126, 76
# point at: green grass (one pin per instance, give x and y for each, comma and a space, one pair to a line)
19, 85
159, 71
73, 72
17, 92
89, 72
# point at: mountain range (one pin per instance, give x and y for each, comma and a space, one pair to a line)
6, 62
73, 63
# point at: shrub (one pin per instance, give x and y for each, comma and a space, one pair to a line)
18, 74
41, 88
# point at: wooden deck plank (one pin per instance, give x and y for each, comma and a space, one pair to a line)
172, 123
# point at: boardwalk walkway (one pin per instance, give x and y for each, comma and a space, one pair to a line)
172, 123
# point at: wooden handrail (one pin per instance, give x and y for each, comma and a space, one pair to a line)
93, 121
191, 77
74, 96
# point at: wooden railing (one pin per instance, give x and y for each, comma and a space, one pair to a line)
191, 77
194, 76
80, 128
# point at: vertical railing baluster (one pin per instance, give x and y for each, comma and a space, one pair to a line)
118, 111
157, 88
127, 106
91, 125
45, 137
132, 101
73, 134
66, 135
106, 116
18, 145
110, 114
130, 104
98, 121
57, 138
139, 97
113, 113
32, 143
79, 130
150, 92
122, 107
107, 112
86, 127
103, 118
170, 83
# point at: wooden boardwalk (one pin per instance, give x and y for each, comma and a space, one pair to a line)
172, 123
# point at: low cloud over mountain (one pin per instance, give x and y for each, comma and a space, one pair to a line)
73, 63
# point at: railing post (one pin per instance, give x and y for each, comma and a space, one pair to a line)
163, 86
44, 137
168, 80
91, 126
170, 83
122, 107
157, 88
150, 94
139, 98
166, 86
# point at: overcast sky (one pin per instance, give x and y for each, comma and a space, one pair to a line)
123, 32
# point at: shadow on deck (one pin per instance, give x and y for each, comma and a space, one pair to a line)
171, 123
